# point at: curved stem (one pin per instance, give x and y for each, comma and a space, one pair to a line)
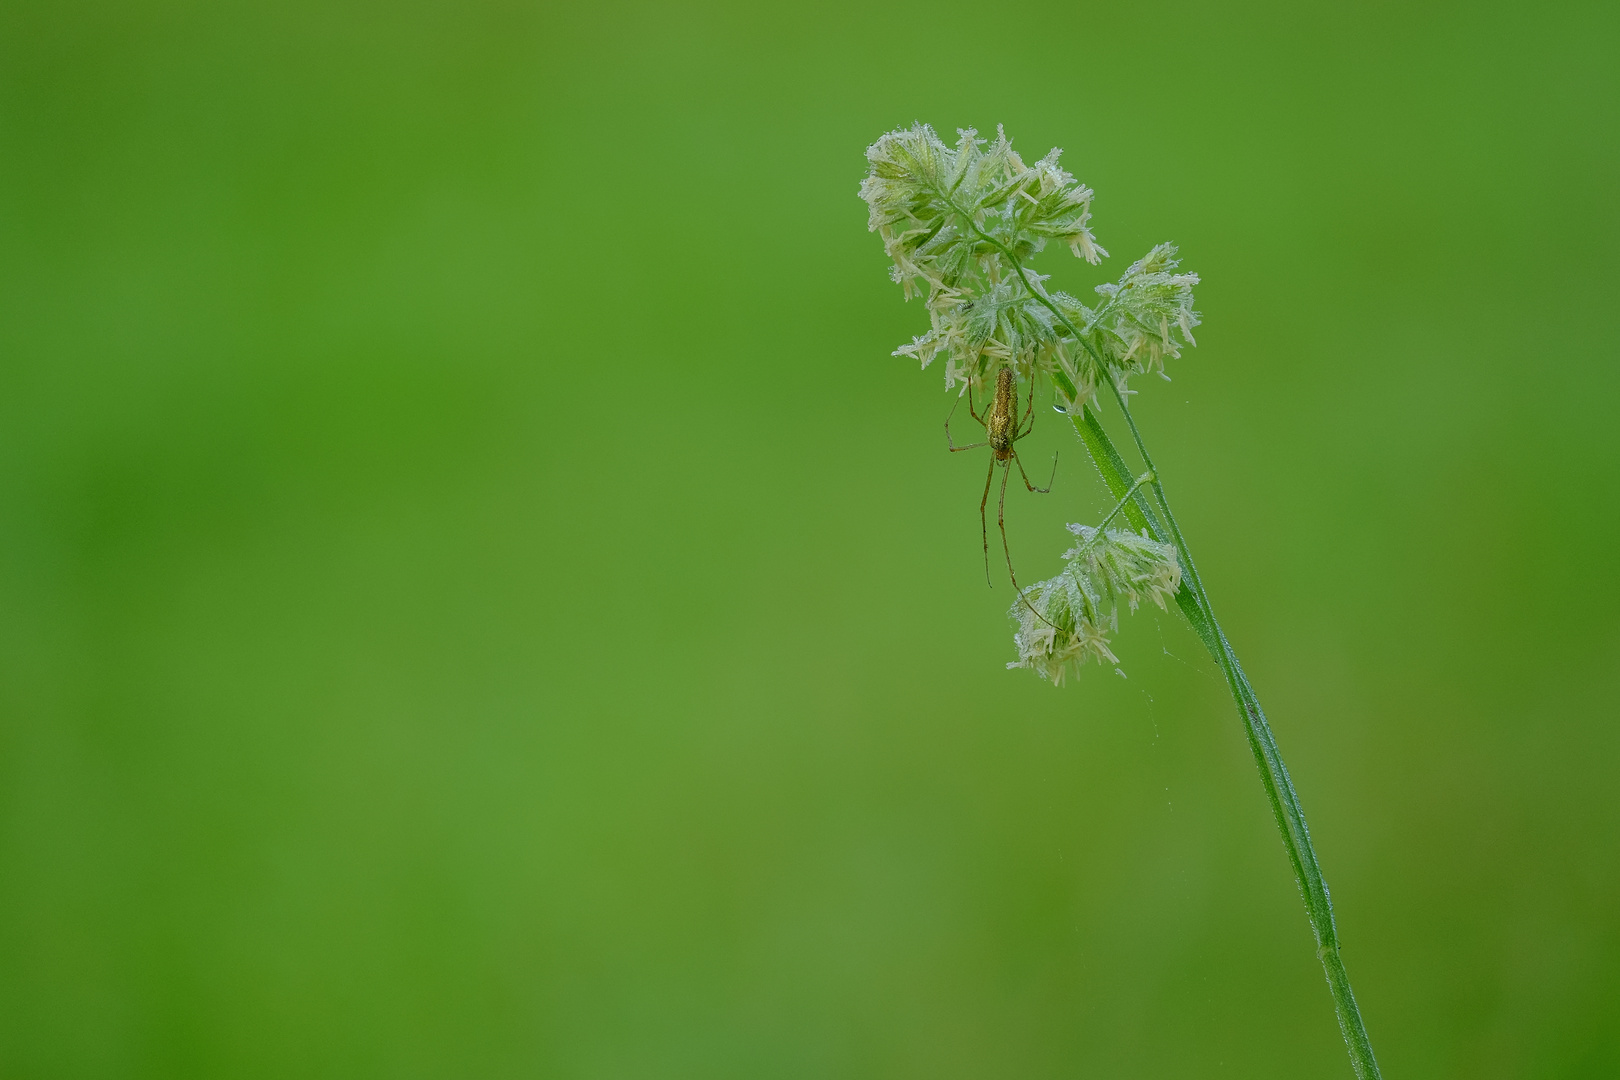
1279, 788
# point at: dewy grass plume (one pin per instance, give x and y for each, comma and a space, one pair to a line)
959, 224
1067, 618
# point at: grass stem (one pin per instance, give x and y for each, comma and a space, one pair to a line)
1194, 603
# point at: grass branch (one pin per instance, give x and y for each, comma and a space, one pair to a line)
907, 174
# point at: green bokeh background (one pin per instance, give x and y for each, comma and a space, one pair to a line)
477, 598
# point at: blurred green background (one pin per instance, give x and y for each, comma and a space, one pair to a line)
477, 598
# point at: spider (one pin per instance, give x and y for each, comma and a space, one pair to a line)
1001, 427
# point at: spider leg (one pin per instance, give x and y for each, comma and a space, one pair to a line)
1045, 490
971, 410
984, 526
951, 446
1029, 410
1001, 519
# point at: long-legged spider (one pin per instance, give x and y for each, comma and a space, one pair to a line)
1002, 433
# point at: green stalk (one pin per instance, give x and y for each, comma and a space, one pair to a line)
1194, 603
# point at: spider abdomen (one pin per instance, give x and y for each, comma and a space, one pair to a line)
1002, 424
